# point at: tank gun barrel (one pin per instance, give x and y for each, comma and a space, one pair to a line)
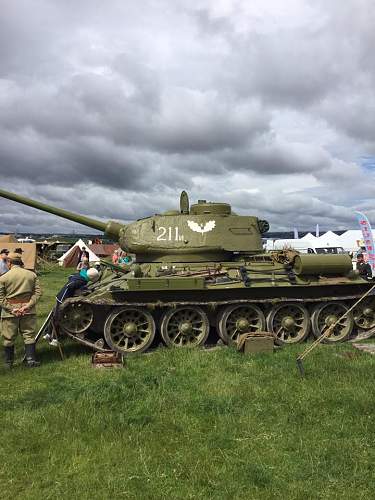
110, 228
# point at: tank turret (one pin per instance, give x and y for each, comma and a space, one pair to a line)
205, 231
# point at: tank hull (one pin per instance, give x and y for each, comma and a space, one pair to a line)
213, 303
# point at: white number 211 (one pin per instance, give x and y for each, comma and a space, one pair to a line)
169, 234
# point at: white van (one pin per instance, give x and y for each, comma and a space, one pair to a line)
330, 250
302, 246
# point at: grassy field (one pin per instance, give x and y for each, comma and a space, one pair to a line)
188, 424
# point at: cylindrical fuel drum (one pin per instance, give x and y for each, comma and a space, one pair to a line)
322, 264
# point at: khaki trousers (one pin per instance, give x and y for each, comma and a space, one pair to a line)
24, 325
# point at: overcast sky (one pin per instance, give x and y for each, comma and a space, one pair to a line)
111, 108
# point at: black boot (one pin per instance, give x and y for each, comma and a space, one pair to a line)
31, 361
9, 356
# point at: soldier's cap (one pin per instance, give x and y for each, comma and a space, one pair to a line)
14, 257
5, 250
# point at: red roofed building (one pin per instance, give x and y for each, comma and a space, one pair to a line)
102, 250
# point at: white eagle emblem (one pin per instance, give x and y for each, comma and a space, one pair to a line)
201, 228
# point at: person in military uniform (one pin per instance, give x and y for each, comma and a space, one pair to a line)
3, 261
19, 292
363, 267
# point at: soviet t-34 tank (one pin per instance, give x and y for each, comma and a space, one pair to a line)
203, 268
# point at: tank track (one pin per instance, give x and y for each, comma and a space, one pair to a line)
131, 326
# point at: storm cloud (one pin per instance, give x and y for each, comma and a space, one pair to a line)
110, 109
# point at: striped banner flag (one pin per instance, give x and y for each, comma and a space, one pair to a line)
367, 237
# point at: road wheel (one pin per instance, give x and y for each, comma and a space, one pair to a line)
184, 326
238, 319
326, 314
76, 317
129, 330
290, 322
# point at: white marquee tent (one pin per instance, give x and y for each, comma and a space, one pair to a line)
328, 239
352, 239
309, 237
80, 243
